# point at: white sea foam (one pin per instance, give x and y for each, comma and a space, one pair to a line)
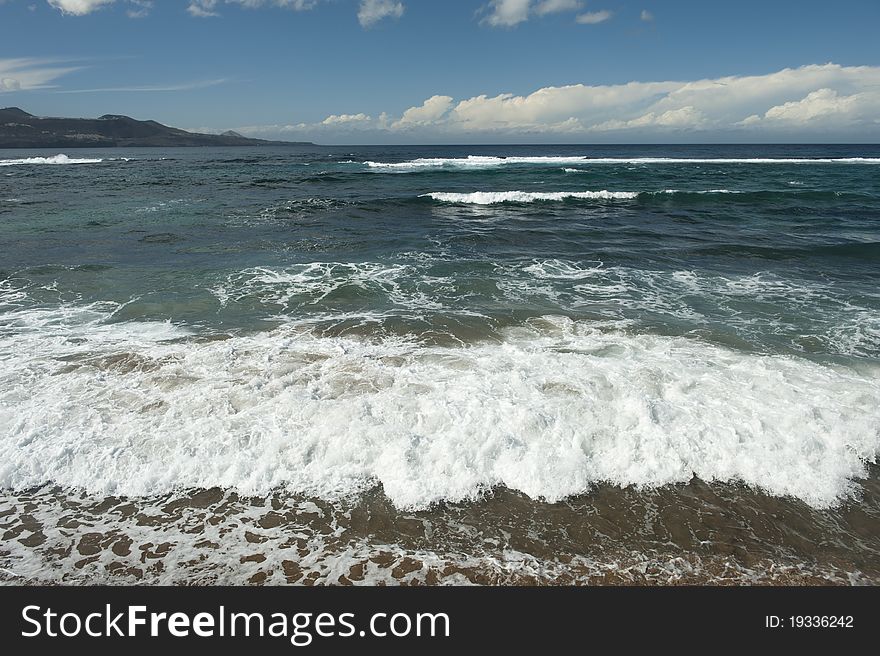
701, 191
181, 543
552, 409
55, 159
824, 315
472, 161
732, 160
484, 162
310, 283
493, 197
217, 544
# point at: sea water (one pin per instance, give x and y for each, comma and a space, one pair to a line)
440, 364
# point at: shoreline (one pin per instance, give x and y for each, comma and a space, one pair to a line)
694, 534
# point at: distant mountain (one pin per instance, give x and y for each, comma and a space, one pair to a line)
18, 129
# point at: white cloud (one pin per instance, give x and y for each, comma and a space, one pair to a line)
208, 8
338, 119
186, 86
682, 118
646, 16
552, 104
814, 105
27, 73
810, 103
141, 8
822, 108
136, 9
555, 6
507, 13
844, 97
594, 17
430, 111
371, 12
202, 8
79, 7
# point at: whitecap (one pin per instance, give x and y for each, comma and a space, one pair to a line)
54, 159
552, 409
493, 197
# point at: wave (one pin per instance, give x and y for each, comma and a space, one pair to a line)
493, 197
752, 195
472, 161
706, 191
497, 197
734, 160
485, 162
551, 409
827, 321
55, 159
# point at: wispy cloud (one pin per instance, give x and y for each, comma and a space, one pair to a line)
210, 8
371, 12
556, 6
646, 16
202, 8
594, 17
186, 86
30, 73
139, 8
510, 13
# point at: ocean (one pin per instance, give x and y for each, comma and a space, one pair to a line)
440, 365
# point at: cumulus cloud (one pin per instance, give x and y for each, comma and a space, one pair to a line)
371, 12
816, 102
79, 7
823, 107
430, 111
339, 119
594, 17
507, 13
684, 117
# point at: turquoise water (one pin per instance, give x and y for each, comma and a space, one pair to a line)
438, 325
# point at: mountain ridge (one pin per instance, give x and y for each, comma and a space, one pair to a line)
20, 129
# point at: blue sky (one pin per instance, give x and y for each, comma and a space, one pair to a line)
421, 71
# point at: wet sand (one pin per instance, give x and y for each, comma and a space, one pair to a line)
699, 533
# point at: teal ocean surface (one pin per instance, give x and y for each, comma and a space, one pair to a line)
533, 364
